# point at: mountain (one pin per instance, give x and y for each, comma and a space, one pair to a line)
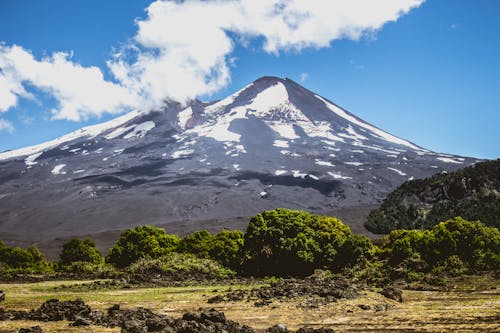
472, 193
271, 144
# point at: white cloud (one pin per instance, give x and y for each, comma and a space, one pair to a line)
184, 49
303, 77
81, 92
6, 126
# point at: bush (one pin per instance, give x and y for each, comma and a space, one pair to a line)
199, 243
453, 247
227, 248
77, 250
141, 242
179, 265
291, 242
355, 250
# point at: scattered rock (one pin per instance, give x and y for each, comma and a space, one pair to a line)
364, 307
392, 293
316, 291
380, 307
2, 296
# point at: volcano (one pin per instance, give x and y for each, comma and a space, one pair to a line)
207, 166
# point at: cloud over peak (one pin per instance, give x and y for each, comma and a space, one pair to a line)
184, 49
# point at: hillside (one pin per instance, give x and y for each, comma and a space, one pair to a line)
472, 192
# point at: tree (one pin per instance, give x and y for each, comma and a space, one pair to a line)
77, 250
292, 242
141, 242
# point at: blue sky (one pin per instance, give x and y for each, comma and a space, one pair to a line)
432, 76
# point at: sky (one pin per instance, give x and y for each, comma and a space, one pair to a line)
424, 70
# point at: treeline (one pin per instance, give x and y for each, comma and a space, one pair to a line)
472, 193
279, 242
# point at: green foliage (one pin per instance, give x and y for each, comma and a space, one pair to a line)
453, 247
14, 260
183, 265
292, 242
199, 243
77, 250
472, 193
227, 248
355, 250
141, 242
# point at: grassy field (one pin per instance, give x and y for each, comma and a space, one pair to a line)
474, 306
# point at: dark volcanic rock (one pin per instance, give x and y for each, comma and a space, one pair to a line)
316, 292
392, 293
2, 296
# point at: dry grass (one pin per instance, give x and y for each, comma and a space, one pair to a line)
462, 310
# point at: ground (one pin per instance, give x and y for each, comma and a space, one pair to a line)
472, 306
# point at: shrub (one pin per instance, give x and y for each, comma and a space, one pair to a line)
199, 243
141, 242
77, 250
179, 265
227, 248
292, 242
453, 247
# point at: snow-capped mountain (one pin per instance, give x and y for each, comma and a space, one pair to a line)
271, 144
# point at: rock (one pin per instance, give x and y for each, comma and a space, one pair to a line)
114, 309
364, 307
380, 307
216, 299
307, 329
278, 328
34, 329
214, 316
2, 296
392, 293
81, 322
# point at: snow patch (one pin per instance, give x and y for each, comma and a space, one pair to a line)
182, 153
338, 176
281, 144
30, 160
397, 171
354, 163
324, 163
286, 131
184, 116
140, 130
58, 170
450, 160
279, 172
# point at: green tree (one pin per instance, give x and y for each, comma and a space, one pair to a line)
78, 250
292, 242
141, 242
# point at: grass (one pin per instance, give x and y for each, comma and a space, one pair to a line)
464, 309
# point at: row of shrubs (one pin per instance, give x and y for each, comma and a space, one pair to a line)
281, 242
